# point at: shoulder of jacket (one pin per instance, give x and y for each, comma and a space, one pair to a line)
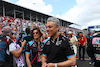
30, 42
46, 40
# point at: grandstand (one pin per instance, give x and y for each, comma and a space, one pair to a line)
16, 11
18, 14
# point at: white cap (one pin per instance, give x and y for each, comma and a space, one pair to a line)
70, 32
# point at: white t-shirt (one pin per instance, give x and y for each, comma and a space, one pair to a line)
19, 60
12, 47
75, 38
95, 34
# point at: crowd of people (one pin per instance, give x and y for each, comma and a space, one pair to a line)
18, 25
33, 44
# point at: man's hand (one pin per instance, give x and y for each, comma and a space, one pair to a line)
23, 43
50, 65
83, 44
77, 46
44, 64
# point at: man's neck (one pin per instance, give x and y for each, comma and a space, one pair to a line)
81, 36
55, 36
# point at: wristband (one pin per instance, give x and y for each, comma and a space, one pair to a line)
55, 65
23, 47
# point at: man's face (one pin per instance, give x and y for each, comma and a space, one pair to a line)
51, 28
81, 34
69, 35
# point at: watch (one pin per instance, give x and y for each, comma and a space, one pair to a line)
55, 65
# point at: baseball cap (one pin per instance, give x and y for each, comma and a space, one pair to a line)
7, 29
70, 32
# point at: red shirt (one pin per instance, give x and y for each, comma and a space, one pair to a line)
81, 40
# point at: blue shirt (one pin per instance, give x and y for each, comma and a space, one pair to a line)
2, 48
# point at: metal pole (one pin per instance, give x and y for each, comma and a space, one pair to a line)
45, 20
41, 18
65, 24
36, 18
3, 10
14, 14
61, 23
87, 30
30, 17
34, 5
23, 15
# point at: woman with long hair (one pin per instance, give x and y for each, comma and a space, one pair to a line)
73, 41
34, 48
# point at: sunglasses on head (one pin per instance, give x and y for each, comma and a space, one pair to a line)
13, 33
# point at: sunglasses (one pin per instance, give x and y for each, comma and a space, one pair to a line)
36, 33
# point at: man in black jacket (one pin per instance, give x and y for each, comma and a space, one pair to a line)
57, 51
93, 49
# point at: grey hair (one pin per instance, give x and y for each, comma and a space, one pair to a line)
55, 20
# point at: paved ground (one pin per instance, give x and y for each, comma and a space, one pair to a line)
84, 63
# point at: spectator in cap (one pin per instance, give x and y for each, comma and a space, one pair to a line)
73, 41
14, 48
6, 30
4, 44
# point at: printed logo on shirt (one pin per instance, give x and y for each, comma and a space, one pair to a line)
97, 56
96, 41
71, 45
58, 42
34, 45
63, 38
48, 43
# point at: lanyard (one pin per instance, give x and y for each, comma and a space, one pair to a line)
80, 38
38, 45
39, 49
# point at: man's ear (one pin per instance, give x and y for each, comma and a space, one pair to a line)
57, 27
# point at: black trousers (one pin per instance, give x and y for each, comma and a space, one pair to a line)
1, 64
83, 48
38, 64
97, 64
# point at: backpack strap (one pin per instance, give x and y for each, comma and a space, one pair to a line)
7, 41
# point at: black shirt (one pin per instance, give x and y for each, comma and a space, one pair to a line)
59, 50
27, 38
34, 51
93, 49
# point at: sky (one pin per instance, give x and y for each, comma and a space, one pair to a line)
82, 12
